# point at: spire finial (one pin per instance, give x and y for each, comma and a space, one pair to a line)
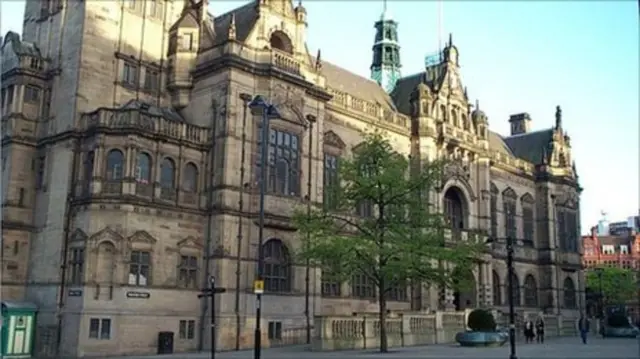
450, 39
558, 117
477, 104
231, 35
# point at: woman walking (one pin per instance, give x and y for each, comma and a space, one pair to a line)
540, 329
528, 331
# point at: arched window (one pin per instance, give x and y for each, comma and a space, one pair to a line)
516, 289
443, 113
569, 294
528, 226
494, 210
509, 199
190, 179
362, 287
530, 292
497, 288
115, 165
454, 208
277, 267
167, 173
143, 168
279, 40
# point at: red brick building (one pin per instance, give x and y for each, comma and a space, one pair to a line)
615, 249
620, 250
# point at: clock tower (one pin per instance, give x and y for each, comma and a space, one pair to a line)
385, 68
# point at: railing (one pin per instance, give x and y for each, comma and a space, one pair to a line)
285, 63
134, 119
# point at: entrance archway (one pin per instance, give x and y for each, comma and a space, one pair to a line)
465, 292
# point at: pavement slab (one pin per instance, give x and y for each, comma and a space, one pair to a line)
561, 348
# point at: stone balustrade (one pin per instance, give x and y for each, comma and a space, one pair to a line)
413, 328
112, 119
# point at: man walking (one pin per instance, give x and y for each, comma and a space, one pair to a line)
583, 327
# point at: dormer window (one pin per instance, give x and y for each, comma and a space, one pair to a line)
35, 63
280, 41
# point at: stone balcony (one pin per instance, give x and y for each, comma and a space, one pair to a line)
134, 120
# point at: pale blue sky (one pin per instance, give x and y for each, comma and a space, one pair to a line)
516, 56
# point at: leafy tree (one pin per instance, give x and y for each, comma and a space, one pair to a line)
376, 222
618, 284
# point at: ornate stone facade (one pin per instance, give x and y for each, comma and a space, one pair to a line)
130, 167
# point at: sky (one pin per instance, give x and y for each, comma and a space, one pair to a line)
515, 56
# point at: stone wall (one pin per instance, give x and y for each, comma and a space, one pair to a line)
411, 328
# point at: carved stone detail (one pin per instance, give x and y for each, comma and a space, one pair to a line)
332, 139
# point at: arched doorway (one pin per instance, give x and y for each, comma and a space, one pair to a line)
454, 208
279, 40
464, 295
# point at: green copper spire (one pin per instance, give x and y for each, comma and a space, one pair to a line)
385, 68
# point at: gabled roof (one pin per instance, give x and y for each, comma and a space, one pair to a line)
530, 146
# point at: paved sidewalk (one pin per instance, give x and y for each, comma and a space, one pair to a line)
561, 348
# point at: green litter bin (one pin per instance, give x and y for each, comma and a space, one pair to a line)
18, 328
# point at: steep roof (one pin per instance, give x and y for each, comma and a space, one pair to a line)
530, 146
433, 76
245, 16
356, 85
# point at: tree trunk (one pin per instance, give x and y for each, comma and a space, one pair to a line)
383, 323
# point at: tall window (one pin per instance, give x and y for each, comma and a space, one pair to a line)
362, 287
528, 225
277, 267
151, 79
515, 294
453, 208
167, 173
571, 231
561, 231
509, 198
330, 285
76, 264
190, 180
188, 271
143, 168
398, 292
283, 163
530, 292
497, 288
130, 74
569, 294
40, 171
31, 94
330, 181
140, 268
494, 210
115, 165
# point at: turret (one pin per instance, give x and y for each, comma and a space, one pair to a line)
480, 122
385, 67
184, 42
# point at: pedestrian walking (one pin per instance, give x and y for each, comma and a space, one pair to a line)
540, 329
583, 327
529, 331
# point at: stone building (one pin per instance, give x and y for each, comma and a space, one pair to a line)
129, 168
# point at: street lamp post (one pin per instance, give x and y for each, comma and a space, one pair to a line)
260, 107
600, 293
510, 284
307, 276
